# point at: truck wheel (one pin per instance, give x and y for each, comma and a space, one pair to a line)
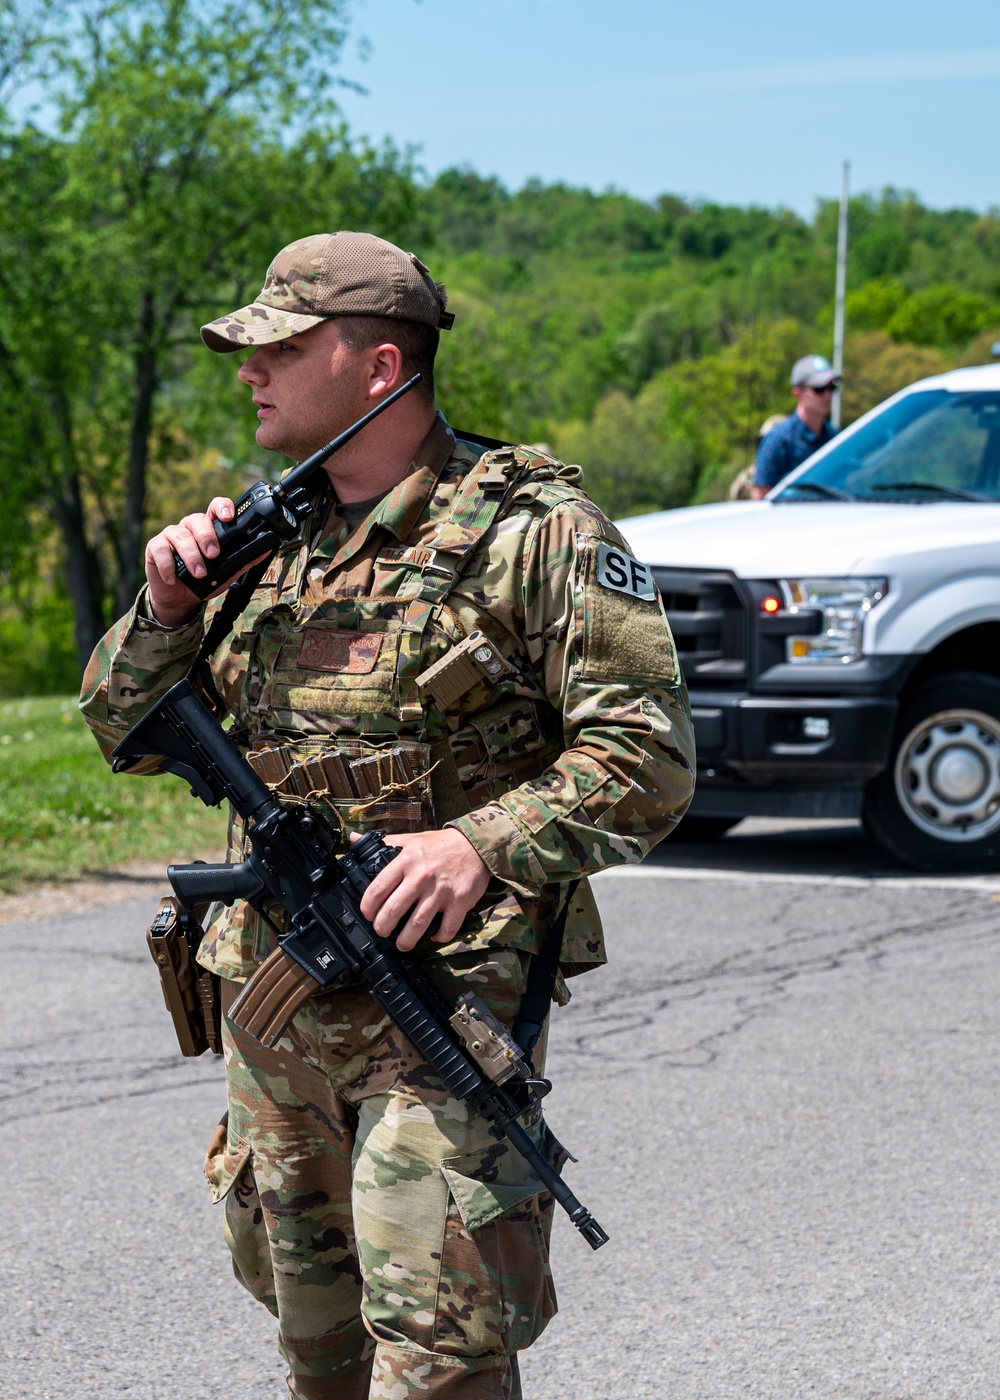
692, 829
937, 804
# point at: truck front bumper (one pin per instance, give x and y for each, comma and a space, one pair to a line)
788, 755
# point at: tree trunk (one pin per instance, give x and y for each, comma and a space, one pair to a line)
131, 541
83, 569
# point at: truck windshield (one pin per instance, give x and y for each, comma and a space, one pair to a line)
929, 446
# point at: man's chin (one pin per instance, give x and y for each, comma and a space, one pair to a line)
270, 436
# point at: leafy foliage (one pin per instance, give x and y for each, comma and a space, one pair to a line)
876, 366
191, 140
942, 315
159, 199
660, 335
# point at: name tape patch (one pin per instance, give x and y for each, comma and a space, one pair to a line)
393, 558
353, 653
618, 570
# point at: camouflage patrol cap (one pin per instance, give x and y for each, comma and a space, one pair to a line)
327, 275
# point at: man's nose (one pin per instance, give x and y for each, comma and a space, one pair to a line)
251, 371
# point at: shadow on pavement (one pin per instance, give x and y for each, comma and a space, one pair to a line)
769, 845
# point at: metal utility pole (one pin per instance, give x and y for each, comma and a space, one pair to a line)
841, 293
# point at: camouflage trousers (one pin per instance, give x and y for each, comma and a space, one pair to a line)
403, 1249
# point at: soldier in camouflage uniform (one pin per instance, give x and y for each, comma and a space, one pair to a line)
404, 1250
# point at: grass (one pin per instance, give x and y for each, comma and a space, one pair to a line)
64, 814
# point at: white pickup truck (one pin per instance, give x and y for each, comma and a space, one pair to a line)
841, 638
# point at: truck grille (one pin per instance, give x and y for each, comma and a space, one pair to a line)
709, 621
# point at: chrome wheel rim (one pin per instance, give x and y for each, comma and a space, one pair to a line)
948, 775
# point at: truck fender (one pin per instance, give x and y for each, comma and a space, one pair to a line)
933, 617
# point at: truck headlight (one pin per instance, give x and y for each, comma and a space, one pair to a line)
845, 603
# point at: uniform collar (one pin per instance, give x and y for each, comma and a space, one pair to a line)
401, 509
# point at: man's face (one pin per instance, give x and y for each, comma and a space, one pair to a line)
307, 389
814, 400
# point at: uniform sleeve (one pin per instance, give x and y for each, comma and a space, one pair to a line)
772, 460
607, 661
133, 664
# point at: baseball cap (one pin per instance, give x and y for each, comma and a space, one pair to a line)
813, 370
332, 274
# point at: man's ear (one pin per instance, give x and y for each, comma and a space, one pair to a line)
386, 367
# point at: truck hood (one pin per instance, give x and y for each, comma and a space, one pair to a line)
761, 539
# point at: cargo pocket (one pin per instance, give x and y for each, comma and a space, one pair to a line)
229, 1173
224, 1160
495, 1291
502, 748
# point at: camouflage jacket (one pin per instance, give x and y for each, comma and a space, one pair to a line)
578, 755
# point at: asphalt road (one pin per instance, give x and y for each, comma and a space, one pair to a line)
781, 1091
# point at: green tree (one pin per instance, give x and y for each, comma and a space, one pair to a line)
873, 306
24, 32
156, 204
691, 429
693, 323
942, 315
876, 366
631, 465
980, 350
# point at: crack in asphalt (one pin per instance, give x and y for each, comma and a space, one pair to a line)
135, 1024
751, 981
621, 1026
93, 1073
56, 1085
95, 1102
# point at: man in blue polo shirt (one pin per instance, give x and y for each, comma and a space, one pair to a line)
803, 432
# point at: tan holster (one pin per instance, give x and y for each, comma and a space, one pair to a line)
191, 992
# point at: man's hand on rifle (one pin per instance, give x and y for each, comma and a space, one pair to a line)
194, 539
436, 872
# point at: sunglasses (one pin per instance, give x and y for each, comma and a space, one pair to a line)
826, 389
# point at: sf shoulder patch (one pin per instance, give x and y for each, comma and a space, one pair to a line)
618, 570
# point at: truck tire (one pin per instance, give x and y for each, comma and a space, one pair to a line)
937, 804
693, 829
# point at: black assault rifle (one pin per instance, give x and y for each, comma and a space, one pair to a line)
293, 863
266, 516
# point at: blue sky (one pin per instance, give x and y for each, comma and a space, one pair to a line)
727, 100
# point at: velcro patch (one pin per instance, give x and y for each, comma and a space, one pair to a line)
325, 649
392, 558
618, 570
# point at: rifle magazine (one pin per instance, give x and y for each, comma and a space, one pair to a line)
271, 998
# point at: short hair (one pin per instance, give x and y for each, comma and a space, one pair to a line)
416, 342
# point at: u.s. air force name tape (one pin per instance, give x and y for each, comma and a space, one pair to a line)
618, 570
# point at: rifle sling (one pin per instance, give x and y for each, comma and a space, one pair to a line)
238, 595
542, 981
